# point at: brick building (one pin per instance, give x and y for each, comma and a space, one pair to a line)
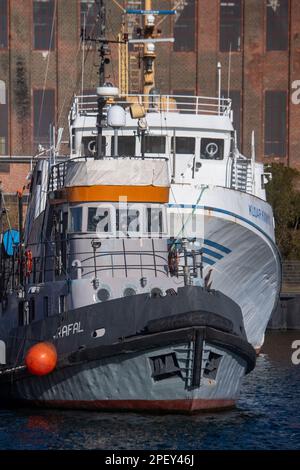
41, 57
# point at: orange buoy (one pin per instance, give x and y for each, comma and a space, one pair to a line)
41, 359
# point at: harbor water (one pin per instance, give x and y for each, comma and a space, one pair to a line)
267, 417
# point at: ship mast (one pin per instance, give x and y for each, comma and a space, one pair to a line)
103, 50
150, 38
149, 50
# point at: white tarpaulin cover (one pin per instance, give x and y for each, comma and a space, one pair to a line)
115, 172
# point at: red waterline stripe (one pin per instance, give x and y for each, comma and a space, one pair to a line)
163, 405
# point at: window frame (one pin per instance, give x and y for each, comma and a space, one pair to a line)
238, 51
6, 122
80, 25
6, 39
35, 89
288, 29
70, 218
286, 127
195, 45
53, 46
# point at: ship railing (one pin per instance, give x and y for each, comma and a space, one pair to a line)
83, 264
57, 176
242, 175
58, 172
84, 105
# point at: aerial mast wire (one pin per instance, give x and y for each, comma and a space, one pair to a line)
103, 50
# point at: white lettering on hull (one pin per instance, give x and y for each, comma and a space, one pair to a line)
68, 330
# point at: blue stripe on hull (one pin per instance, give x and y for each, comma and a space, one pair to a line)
222, 211
207, 251
217, 246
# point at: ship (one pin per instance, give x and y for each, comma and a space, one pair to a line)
217, 194
138, 281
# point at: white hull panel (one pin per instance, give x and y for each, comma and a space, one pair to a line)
240, 251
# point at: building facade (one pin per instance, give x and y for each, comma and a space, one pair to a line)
44, 62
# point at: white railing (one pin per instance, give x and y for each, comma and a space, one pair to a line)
200, 105
242, 175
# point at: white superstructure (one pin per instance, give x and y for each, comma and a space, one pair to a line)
209, 178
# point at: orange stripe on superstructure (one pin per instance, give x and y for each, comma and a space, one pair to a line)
110, 193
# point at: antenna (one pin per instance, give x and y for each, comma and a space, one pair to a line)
229, 72
219, 67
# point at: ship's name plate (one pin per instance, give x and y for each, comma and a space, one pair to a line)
260, 214
68, 330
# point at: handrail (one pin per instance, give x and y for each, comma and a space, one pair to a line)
85, 104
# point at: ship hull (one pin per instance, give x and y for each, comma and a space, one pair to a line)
193, 359
239, 249
127, 382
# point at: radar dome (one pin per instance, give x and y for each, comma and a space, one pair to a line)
116, 116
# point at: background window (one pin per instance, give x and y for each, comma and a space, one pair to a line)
185, 104
277, 25
230, 25
235, 96
88, 15
126, 145
44, 24
3, 119
275, 123
44, 115
3, 24
154, 144
183, 145
184, 27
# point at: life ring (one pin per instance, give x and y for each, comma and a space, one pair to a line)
173, 262
28, 262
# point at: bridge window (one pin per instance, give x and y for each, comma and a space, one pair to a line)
275, 123
212, 149
154, 220
128, 220
44, 24
183, 145
154, 144
3, 24
277, 25
126, 145
89, 146
99, 219
230, 25
75, 219
184, 27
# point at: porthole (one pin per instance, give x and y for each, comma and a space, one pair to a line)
129, 291
103, 295
156, 292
